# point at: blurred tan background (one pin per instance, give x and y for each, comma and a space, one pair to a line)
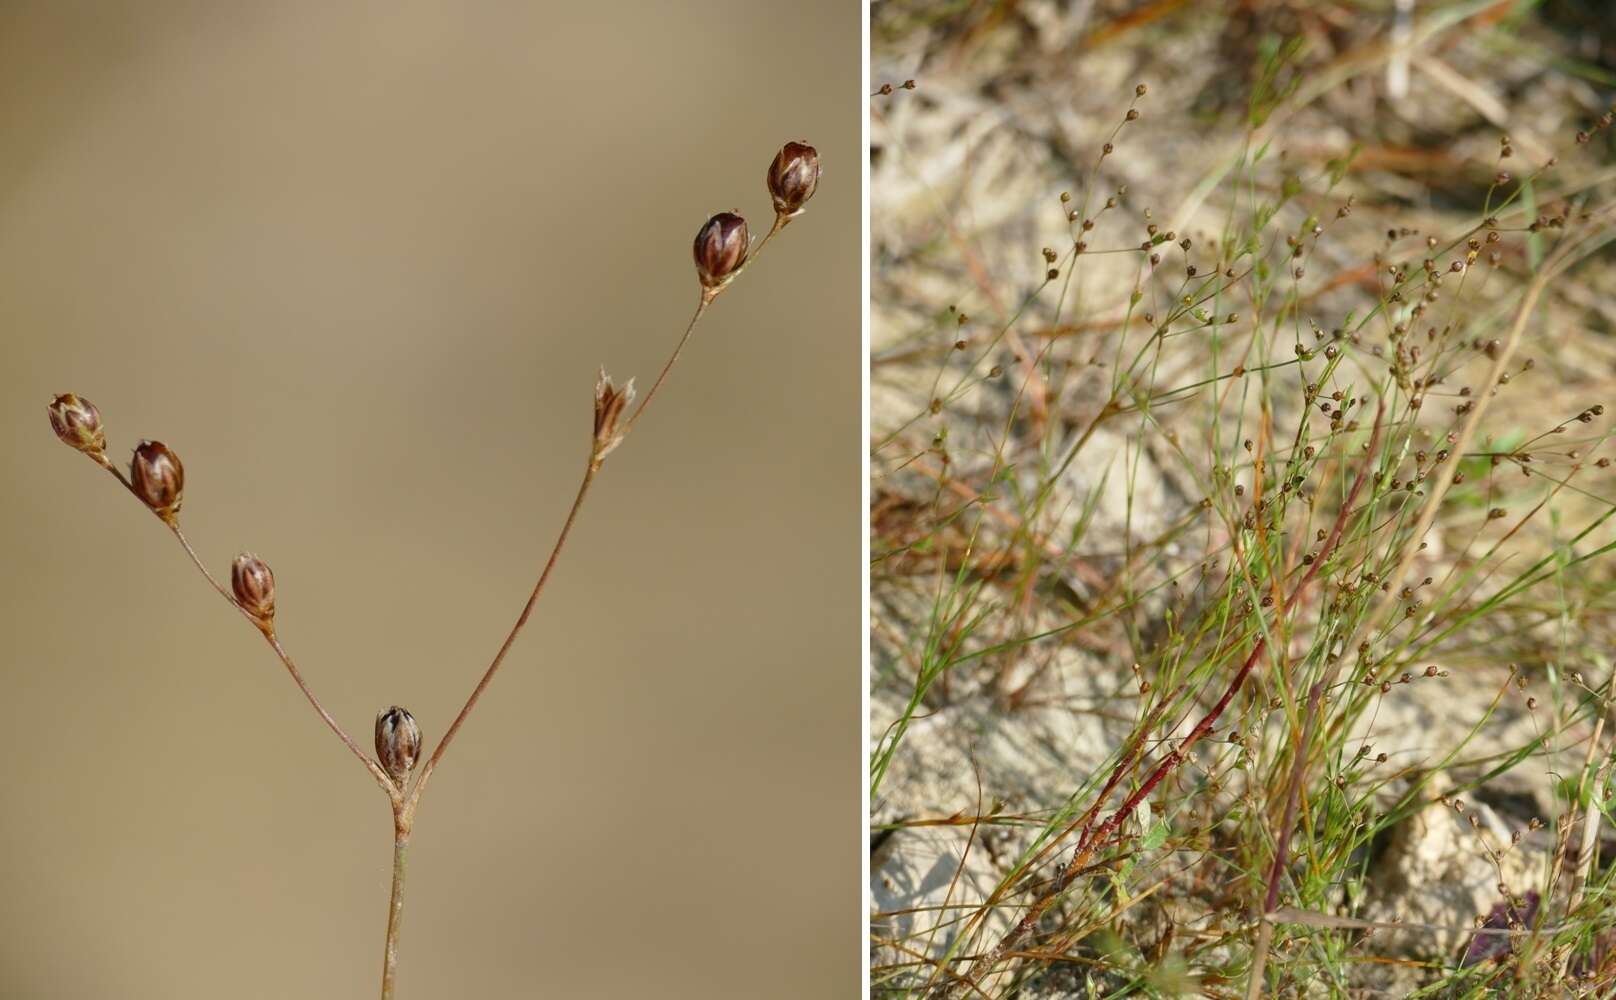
357, 264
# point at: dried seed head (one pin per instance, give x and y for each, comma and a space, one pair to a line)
793, 176
158, 479
398, 743
78, 423
254, 587
720, 250
610, 402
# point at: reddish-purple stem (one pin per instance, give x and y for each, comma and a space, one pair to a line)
1298, 768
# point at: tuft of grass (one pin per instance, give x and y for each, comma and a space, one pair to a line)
1181, 513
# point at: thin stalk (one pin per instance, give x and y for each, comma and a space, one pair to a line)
780, 222
395, 907
505, 647
1282, 843
707, 296
268, 633
297, 677
1589, 845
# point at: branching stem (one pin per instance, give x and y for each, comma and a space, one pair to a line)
595, 457
404, 805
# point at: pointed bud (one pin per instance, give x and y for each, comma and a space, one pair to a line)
720, 250
78, 423
793, 176
158, 479
610, 402
254, 586
398, 743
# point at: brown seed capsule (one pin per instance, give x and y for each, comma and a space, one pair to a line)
720, 250
610, 402
254, 586
78, 423
398, 743
793, 176
158, 478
